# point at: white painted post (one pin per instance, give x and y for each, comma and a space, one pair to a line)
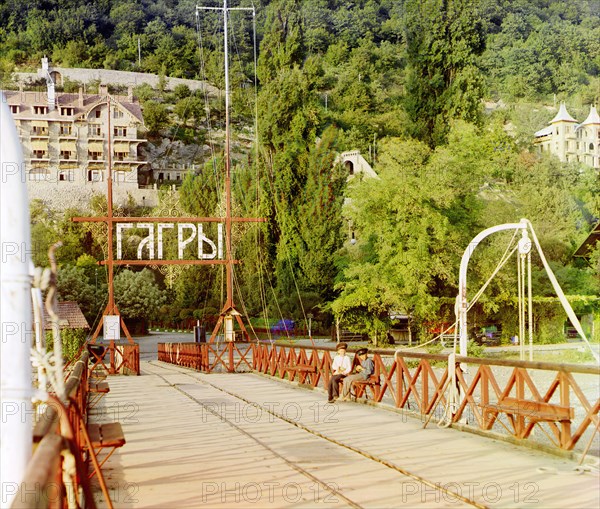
15, 311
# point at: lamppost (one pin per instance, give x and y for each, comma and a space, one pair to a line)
310, 317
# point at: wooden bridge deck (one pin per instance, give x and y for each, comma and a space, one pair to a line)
243, 440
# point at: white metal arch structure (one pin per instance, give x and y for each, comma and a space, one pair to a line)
462, 306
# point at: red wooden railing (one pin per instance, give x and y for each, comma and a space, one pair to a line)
57, 473
208, 357
418, 383
123, 358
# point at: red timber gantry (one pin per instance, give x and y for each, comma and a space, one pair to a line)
192, 225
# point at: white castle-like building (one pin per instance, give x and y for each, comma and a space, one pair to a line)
570, 140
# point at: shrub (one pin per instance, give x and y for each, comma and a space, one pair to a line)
72, 340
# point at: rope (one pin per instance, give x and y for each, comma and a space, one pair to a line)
38, 315
560, 294
211, 139
56, 371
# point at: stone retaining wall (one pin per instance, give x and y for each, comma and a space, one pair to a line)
109, 76
63, 195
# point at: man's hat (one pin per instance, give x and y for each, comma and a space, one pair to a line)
341, 345
362, 351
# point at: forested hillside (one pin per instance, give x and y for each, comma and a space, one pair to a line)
405, 82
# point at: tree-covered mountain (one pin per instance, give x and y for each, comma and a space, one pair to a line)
526, 47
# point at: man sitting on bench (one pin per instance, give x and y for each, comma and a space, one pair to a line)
362, 372
341, 367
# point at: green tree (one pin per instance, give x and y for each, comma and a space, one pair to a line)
282, 45
137, 295
403, 256
316, 20
128, 18
412, 225
190, 108
74, 285
156, 116
320, 227
199, 194
443, 40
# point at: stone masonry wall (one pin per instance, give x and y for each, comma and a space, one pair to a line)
108, 76
62, 195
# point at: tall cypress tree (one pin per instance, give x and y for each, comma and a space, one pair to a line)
444, 38
300, 177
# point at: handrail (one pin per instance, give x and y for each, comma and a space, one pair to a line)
586, 369
40, 475
48, 420
58, 431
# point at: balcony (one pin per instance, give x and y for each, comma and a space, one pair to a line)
40, 157
67, 136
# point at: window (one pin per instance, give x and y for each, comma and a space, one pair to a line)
66, 129
66, 154
65, 112
121, 156
94, 175
66, 176
117, 113
40, 154
119, 176
14, 108
591, 147
38, 174
98, 113
95, 156
94, 130
120, 131
40, 110
39, 131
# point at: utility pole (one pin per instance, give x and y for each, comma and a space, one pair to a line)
229, 311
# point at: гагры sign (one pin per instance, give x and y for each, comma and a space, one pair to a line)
187, 233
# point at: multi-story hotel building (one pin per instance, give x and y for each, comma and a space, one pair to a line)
570, 140
66, 141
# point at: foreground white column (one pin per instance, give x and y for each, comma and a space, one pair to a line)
16, 327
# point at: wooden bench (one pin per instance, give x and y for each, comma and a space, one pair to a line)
360, 387
538, 411
96, 390
105, 436
303, 368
